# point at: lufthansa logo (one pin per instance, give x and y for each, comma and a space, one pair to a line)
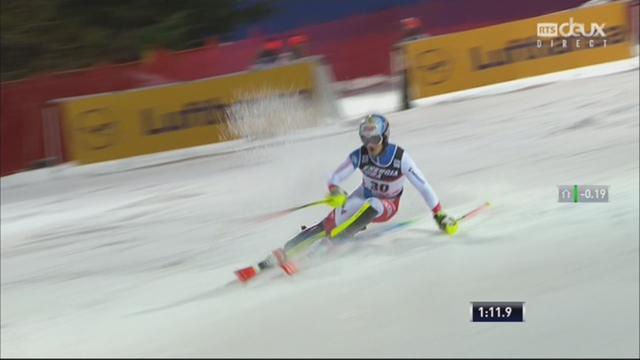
435, 66
98, 129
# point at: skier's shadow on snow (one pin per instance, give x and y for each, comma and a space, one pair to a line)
408, 241
419, 240
206, 295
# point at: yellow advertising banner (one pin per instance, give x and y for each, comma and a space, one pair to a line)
535, 46
136, 122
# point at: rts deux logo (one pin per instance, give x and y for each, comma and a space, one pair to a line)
572, 33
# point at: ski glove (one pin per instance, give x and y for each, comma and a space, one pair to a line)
446, 223
336, 197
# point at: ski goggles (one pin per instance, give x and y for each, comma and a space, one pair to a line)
374, 139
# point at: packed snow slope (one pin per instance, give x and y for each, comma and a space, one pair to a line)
109, 260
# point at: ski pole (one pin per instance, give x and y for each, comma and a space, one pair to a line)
474, 212
279, 213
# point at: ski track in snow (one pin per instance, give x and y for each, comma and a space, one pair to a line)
99, 262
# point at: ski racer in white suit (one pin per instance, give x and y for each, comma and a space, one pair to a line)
384, 167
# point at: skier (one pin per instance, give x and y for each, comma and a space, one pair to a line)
384, 167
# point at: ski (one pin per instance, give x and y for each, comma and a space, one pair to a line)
248, 273
405, 224
285, 263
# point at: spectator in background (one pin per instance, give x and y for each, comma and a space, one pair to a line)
297, 46
411, 29
271, 52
